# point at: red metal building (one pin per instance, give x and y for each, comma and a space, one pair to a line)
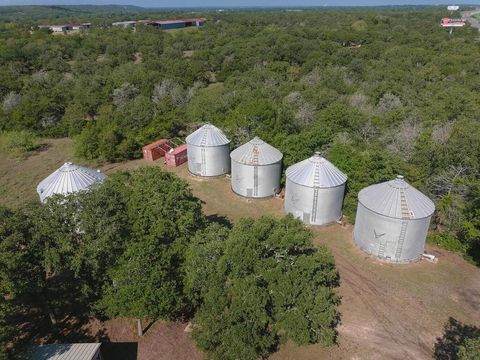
177, 156
157, 149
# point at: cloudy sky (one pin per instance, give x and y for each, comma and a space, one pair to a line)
228, 3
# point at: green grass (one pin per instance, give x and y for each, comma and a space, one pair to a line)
19, 142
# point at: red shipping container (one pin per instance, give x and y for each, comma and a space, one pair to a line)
157, 149
177, 156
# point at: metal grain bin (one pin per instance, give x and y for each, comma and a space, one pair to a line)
69, 178
208, 152
392, 221
314, 191
256, 169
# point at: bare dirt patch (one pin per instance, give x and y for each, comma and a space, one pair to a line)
188, 54
138, 58
163, 340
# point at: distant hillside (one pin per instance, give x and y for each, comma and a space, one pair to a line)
16, 13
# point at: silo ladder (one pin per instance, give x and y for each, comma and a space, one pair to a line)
401, 239
255, 170
403, 230
316, 183
381, 249
255, 181
204, 139
204, 167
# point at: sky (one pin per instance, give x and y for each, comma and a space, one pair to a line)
237, 3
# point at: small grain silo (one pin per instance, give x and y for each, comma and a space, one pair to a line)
208, 152
314, 191
256, 169
69, 178
392, 221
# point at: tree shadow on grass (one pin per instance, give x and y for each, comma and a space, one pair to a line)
120, 351
455, 334
219, 219
36, 329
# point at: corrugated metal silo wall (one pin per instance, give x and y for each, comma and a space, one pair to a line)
267, 183
209, 160
382, 236
299, 201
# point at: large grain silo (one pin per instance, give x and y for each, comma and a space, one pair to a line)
314, 191
256, 169
69, 178
392, 221
208, 152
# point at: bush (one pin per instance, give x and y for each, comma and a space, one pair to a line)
18, 141
469, 350
446, 241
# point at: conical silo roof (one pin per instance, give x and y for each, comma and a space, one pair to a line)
397, 199
256, 152
69, 178
207, 135
316, 172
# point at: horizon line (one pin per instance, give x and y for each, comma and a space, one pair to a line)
241, 6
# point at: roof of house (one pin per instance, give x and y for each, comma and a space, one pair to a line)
176, 21
81, 351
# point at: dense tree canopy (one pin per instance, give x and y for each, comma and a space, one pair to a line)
258, 285
148, 279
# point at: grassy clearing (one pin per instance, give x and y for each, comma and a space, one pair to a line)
20, 175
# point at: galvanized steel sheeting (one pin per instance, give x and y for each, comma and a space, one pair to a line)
256, 152
314, 191
315, 206
208, 161
208, 152
256, 169
79, 351
386, 199
207, 135
381, 236
392, 221
316, 172
69, 178
256, 181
